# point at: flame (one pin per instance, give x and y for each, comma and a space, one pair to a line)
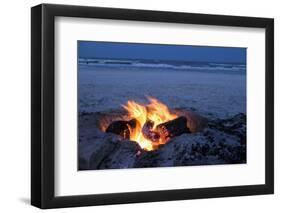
156, 112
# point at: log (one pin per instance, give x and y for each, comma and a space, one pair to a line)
172, 128
148, 133
122, 128
195, 122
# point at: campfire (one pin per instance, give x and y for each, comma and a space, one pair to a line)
151, 125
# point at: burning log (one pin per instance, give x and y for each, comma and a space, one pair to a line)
195, 122
172, 128
122, 128
148, 133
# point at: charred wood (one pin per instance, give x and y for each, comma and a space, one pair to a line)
122, 128
148, 133
172, 128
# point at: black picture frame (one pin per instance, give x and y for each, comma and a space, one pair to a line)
43, 102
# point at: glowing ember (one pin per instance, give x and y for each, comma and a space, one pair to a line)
151, 115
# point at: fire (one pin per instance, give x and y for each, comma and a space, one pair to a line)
155, 113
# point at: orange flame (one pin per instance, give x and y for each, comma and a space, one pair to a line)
156, 112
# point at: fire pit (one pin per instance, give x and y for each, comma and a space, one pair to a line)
154, 124
152, 135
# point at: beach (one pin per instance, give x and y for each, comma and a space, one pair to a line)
214, 94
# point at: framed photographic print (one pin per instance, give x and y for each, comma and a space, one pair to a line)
139, 106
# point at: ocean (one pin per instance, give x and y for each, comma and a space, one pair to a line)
165, 64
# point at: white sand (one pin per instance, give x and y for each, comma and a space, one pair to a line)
214, 94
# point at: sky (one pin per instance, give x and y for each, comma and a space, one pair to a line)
116, 50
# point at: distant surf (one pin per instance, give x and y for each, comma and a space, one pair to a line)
164, 64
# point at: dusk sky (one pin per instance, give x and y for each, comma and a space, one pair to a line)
115, 50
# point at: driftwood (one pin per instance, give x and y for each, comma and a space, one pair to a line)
122, 128
172, 128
